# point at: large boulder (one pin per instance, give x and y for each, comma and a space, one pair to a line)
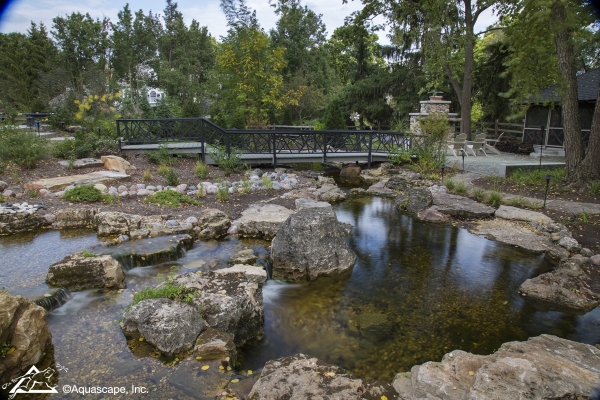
117, 223
544, 367
459, 206
212, 223
262, 220
352, 171
23, 326
512, 233
21, 222
309, 244
115, 163
302, 377
230, 299
75, 218
78, 272
567, 288
329, 192
518, 214
414, 200
171, 326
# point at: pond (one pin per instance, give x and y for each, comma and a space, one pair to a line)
416, 292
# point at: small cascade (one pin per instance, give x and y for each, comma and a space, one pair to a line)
269, 269
56, 300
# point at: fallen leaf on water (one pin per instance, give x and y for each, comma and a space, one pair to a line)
329, 374
471, 373
249, 372
235, 380
204, 368
384, 398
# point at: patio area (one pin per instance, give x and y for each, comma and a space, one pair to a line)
499, 164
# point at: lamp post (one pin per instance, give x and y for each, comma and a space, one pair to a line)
463, 156
547, 177
443, 167
542, 129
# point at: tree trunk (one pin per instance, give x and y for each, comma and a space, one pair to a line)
590, 167
465, 104
570, 108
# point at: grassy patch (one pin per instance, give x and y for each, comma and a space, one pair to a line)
450, 185
2, 199
163, 170
84, 193
494, 199
267, 182
170, 198
167, 290
89, 254
172, 177
460, 188
201, 170
478, 194
147, 176
537, 178
222, 193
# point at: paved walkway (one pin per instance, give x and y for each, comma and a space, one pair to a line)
490, 165
574, 207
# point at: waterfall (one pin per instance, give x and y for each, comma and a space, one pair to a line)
58, 298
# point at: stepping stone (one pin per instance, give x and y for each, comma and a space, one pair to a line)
61, 182
84, 163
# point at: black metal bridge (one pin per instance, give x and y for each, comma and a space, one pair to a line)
199, 136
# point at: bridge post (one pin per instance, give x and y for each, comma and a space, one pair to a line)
369, 157
324, 148
202, 144
227, 144
274, 136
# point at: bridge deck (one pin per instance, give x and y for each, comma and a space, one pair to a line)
261, 158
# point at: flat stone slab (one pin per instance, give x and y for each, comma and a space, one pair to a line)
92, 178
459, 206
518, 214
543, 367
512, 233
83, 163
262, 220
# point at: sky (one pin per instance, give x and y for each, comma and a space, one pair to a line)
17, 14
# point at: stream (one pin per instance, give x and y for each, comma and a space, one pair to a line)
417, 291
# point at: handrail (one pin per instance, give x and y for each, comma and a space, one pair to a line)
258, 141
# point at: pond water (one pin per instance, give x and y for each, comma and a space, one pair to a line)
416, 292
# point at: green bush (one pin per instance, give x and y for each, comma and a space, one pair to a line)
228, 163
161, 156
222, 193
83, 193
172, 177
170, 198
494, 199
22, 148
267, 182
83, 145
201, 170
2, 199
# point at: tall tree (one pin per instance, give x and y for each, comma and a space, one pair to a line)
552, 28
249, 70
83, 44
444, 31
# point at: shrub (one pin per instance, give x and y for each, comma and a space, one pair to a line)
201, 170
82, 145
172, 177
22, 148
245, 186
170, 198
494, 199
450, 185
88, 254
83, 193
478, 194
147, 176
2, 199
460, 188
267, 182
228, 163
163, 170
594, 188
222, 193
161, 156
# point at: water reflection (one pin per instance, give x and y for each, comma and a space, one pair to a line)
429, 288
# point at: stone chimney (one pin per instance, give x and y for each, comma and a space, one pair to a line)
435, 105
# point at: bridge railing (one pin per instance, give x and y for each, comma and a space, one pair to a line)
280, 141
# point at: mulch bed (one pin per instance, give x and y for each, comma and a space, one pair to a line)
185, 168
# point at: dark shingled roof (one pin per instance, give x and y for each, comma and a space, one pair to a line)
587, 88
